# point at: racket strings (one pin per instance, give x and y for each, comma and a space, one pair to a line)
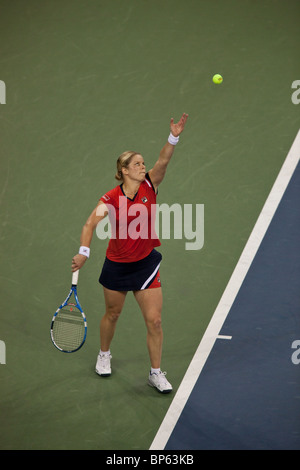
69, 328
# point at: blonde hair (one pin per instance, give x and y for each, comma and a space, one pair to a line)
123, 162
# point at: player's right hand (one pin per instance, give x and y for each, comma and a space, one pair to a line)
77, 262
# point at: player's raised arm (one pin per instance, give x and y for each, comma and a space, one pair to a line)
158, 172
86, 235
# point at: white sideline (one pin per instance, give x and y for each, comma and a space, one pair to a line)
227, 299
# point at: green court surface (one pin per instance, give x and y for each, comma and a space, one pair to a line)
86, 80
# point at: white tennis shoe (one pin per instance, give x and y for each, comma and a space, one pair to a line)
103, 366
159, 381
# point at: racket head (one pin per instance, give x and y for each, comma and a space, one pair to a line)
68, 327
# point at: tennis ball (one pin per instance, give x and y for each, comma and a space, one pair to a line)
217, 79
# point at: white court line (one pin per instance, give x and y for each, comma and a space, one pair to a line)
228, 297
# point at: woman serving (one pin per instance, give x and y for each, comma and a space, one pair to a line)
132, 262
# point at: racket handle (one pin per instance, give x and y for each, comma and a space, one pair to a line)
75, 278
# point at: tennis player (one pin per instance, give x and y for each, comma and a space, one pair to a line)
132, 262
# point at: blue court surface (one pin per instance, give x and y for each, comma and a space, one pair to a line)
247, 395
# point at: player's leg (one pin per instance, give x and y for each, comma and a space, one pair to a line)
150, 302
114, 301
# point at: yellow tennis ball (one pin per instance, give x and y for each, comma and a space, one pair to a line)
217, 79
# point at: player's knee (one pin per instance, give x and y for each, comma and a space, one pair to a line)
154, 324
113, 314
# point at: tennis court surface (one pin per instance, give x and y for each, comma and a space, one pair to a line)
85, 81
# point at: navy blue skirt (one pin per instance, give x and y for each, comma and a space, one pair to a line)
138, 275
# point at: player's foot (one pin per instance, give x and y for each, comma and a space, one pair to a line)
103, 367
159, 381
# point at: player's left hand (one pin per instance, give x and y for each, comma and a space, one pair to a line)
176, 129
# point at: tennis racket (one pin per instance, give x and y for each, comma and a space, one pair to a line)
69, 326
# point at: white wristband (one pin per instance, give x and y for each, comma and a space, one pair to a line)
84, 250
172, 139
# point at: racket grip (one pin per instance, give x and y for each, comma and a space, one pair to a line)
75, 278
